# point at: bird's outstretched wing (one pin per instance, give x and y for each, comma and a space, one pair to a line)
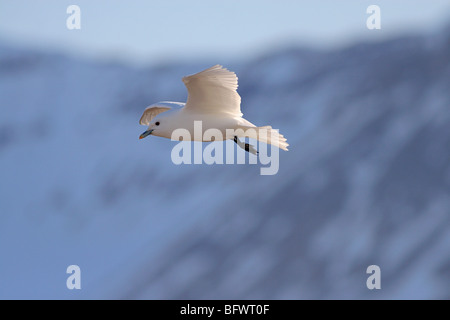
213, 91
150, 113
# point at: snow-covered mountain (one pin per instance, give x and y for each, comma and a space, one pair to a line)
366, 180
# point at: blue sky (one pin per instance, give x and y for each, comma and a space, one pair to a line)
149, 31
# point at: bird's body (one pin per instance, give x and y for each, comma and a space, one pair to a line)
180, 118
214, 103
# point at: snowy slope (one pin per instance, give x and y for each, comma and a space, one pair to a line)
366, 180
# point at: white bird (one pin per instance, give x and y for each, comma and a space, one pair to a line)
212, 99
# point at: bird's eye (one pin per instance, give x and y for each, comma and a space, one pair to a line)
157, 123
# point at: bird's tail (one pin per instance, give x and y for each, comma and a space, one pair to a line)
267, 135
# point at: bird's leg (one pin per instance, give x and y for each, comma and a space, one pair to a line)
246, 146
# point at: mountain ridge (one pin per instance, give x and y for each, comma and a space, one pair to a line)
365, 181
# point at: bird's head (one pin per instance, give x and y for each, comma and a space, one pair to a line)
161, 119
158, 127
152, 127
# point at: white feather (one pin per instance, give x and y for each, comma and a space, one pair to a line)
213, 91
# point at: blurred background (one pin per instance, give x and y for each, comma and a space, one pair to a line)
366, 180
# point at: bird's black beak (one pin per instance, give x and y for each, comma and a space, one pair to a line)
146, 133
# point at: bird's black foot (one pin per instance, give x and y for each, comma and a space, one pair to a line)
246, 146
